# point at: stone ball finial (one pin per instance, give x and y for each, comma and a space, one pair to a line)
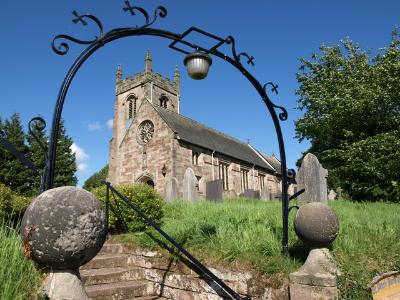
63, 228
316, 224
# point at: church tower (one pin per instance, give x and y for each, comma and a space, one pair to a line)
131, 92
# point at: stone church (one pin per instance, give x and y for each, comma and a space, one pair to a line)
153, 143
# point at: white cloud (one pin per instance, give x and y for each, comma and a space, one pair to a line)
82, 167
94, 126
110, 123
81, 157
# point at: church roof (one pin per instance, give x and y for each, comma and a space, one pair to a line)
198, 134
273, 161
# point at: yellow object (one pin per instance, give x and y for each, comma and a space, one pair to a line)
386, 286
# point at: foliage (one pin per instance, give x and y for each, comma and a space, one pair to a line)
247, 233
12, 205
351, 100
96, 179
369, 168
18, 277
17, 176
12, 172
64, 173
123, 217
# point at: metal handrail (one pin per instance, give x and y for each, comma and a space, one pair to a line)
218, 285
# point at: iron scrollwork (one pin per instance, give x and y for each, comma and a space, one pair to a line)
231, 41
283, 115
63, 47
37, 124
160, 11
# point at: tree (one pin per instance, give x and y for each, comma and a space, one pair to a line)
64, 173
351, 101
12, 172
96, 179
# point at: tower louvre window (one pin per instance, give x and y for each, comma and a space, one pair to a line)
164, 101
131, 102
130, 113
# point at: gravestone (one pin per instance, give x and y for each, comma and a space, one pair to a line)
214, 190
312, 178
265, 194
171, 189
190, 185
250, 193
332, 195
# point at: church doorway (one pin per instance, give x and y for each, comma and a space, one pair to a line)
150, 183
146, 178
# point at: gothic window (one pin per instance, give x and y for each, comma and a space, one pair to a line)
244, 175
131, 103
164, 101
145, 132
195, 158
261, 180
223, 174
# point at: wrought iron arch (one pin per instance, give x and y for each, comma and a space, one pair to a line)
61, 47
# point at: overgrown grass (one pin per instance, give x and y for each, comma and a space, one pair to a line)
247, 233
18, 277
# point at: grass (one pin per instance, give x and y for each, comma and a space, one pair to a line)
247, 233
18, 277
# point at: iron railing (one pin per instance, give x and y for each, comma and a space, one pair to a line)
216, 283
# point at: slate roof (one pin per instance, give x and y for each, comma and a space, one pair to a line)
198, 134
274, 162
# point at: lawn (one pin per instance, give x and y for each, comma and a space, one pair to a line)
247, 234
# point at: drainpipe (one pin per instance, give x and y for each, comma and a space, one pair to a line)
212, 164
254, 185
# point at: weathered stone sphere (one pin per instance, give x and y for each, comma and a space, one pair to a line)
316, 224
63, 228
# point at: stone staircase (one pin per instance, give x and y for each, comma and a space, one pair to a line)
116, 275
119, 273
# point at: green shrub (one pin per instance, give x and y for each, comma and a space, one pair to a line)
12, 206
122, 217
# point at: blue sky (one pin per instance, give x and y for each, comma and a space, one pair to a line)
276, 33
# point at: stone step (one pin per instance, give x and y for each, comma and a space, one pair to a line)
121, 290
106, 261
149, 298
109, 275
112, 248
118, 248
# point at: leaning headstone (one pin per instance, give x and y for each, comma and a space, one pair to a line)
332, 195
214, 190
265, 194
171, 189
312, 178
190, 184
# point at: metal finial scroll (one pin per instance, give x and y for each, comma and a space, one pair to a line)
283, 116
231, 41
160, 11
63, 47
